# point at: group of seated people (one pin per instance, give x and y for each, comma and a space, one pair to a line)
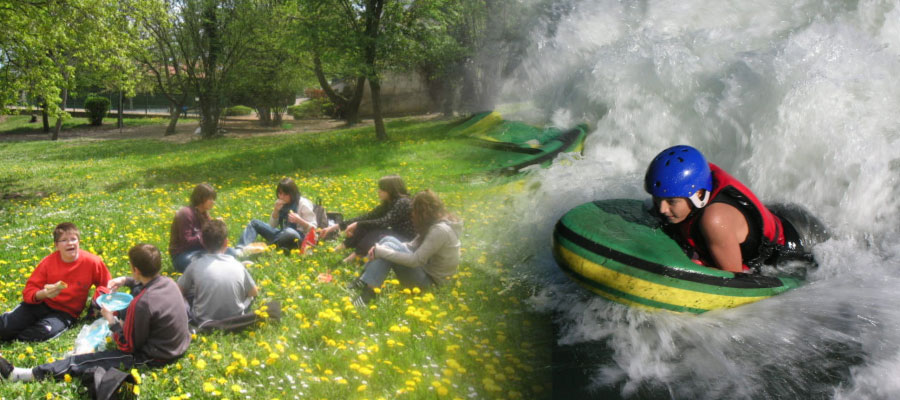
154, 329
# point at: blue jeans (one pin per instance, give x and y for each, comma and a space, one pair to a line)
287, 238
181, 261
376, 270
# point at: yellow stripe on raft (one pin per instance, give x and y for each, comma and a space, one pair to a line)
648, 290
484, 124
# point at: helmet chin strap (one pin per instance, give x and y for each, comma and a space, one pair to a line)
700, 202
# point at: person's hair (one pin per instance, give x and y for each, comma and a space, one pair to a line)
214, 233
289, 187
146, 259
202, 193
62, 228
427, 210
394, 186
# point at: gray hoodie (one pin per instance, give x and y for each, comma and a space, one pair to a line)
437, 253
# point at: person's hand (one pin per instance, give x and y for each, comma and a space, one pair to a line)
52, 290
328, 230
294, 218
371, 254
350, 229
115, 284
107, 315
278, 204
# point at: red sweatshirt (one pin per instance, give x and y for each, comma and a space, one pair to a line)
88, 270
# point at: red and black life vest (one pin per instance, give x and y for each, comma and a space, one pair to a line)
765, 229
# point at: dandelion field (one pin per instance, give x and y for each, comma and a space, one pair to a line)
475, 339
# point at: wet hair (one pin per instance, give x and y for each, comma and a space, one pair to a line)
394, 186
146, 259
427, 210
202, 193
65, 227
289, 187
214, 233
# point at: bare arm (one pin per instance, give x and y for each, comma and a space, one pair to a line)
724, 228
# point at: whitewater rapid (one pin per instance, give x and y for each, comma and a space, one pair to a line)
798, 99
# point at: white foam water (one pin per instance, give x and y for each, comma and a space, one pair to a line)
799, 100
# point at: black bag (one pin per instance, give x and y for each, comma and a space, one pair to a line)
109, 384
241, 322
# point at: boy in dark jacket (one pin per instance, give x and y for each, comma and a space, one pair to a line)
154, 333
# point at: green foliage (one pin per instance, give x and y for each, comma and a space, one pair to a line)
317, 105
96, 108
20, 125
306, 110
48, 47
235, 111
474, 339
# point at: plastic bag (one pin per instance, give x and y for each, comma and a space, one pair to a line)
92, 337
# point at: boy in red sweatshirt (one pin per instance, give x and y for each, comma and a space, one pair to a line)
56, 292
154, 333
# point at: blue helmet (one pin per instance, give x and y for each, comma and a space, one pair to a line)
679, 171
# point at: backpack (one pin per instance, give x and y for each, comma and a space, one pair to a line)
323, 217
321, 214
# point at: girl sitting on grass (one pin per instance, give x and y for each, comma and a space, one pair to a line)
185, 243
430, 259
390, 218
292, 218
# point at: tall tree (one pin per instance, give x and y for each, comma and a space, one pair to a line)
375, 36
162, 60
273, 72
48, 46
197, 44
326, 32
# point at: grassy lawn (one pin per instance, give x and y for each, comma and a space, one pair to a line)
18, 124
473, 340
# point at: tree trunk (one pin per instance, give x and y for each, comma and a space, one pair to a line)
209, 95
352, 112
374, 9
174, 113
265, 118
347, 109
45, 118
119, 122
276, 117
209, 118
380, 133
59, 120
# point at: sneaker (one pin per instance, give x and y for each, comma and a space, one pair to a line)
365, 296
358, 302
356, 284
5, 368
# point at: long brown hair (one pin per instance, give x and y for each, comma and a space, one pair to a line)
202, 193
427, 210
288, 187
394, 186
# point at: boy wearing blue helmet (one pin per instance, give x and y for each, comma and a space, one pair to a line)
717, 220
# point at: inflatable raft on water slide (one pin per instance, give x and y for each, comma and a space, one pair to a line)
616, 249
517, 145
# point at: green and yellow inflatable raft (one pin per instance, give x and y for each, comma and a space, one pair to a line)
513, 145
616, 249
